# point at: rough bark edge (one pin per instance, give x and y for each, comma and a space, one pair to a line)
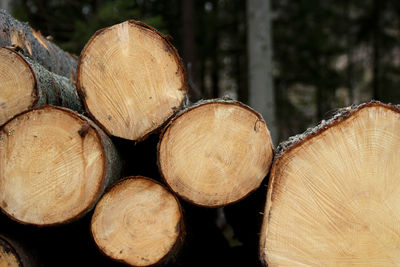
35, 46
111, 166
285, 147
9, 248
167, 39
173, 253
49, 88
25, 259
225, 101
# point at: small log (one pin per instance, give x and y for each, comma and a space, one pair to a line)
131, 79
333, 196
54, 166
13, 254
138, 222
215, 153
33, 45
25, 84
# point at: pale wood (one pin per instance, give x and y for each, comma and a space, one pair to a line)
25, 84
334, 193
131, 79
14, 254
8, 256
138, 222
215, 152
54, 166
33, 45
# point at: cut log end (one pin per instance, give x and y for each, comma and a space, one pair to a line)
138, 222
8, 255
131, 79
17, 85
52, 166
215, 153
333, 197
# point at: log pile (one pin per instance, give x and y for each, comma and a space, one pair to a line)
71, 129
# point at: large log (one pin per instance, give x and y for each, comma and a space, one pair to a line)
138, 222
215, 152
54, 166
131, 79
25, 84
333, 196
33, 45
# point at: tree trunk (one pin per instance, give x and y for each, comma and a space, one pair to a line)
259, 46
138, 222
35, 46
333, 193
131, 79
55, 165
25, 84
215, 153
7, 5
376, 57
189, 47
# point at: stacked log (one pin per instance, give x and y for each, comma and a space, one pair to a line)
138, 222
13, 254
25, 84
131, 79
54, 166
32, 44
215, 153
333, 193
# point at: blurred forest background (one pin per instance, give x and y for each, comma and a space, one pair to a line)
325, 54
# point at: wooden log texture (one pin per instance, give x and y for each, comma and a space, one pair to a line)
54, 166
25, 84
13, 254
138, 222
35, 46
131, 79
333, 196
215, 153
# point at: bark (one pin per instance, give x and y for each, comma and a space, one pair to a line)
341, 114
33, 45
46, 88
72, 141
6, 5
12, 252
55, 89
239, 135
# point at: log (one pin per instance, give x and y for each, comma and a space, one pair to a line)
138, 222
54, 166
13, 254
215, 153
131, 79
33, 45
25, 84
333, 196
